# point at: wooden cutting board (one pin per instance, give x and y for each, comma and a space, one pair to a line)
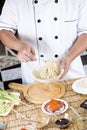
39, 92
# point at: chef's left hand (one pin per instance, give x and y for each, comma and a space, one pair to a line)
65, 63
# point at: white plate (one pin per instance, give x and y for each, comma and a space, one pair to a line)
80, 86
62, 110
16, 94
10, 105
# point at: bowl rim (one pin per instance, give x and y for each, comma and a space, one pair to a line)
35, 71
46, 123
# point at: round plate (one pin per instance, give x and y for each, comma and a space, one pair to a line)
80, 86
9, 105
62, 110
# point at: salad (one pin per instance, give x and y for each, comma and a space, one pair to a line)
7, 101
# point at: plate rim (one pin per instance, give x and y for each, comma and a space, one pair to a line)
74, 85
66, 106
11, 105
7, 112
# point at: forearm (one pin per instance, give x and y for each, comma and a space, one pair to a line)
9, 40
78, 48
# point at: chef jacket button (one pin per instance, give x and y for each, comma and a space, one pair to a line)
55, 18
40, 38
41, 55
56, 1
56, 37
35, 1
56, 55
38, 20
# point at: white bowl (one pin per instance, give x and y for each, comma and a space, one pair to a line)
41, 121
38, 70
46, 110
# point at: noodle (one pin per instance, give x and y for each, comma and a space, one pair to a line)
50, 70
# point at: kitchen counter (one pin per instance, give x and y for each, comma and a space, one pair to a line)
16, 121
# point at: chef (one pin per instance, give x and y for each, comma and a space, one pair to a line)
46, 29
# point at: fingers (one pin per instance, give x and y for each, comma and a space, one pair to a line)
30, 54
64, 73
64, 63
24, 58
26, 53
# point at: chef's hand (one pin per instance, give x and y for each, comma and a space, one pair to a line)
65, 63
26, 53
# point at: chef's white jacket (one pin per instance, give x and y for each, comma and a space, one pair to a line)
50, 26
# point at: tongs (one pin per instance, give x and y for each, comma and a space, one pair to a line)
25, 118
85, 120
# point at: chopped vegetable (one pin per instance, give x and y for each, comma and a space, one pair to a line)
8, 97
3, 108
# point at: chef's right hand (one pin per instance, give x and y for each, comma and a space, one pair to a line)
26, 53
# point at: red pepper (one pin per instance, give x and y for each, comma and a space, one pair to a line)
23, 129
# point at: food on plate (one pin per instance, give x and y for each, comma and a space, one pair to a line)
23, 129
50, 70
7, 101
6, 96
54, 105
5, 108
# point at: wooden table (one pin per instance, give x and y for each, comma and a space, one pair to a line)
16, 122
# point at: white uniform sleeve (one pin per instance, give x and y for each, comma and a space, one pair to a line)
8, 18
82, 21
